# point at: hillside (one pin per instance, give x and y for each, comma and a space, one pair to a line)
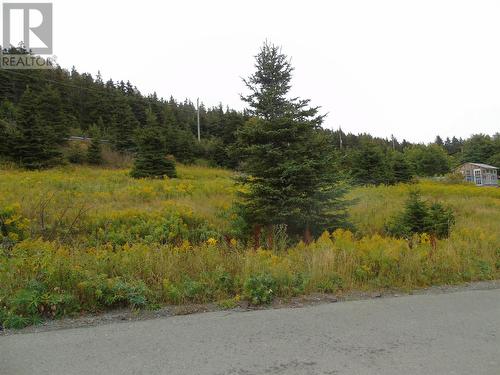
86, 239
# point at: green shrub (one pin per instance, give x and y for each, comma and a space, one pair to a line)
35, 302
485, 270
121, 293
439, 220
193, 290
419, 217
291, 284
99, 291
331, 284
260, 289
172, 293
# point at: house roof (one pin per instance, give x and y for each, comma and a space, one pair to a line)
480, 165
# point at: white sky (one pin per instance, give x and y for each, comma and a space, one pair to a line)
409, 68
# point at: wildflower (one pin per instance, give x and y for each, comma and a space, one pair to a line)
425, 238
186, 245
212, 241
233, 242
274, 259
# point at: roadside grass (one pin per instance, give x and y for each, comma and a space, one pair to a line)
79, 239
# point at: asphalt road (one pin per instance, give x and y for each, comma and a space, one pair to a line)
456, 333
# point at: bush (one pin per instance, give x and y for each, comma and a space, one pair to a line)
331, 284
99, 291
419, 217
35, 302
439, 220
260, 289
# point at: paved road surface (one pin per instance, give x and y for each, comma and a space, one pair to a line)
456, 333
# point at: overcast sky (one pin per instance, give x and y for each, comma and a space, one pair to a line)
409, 68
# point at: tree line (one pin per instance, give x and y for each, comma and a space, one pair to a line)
65, 102
40, 109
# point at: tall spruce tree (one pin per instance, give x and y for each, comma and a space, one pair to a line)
124, 125
4, 148
51, 116
287, 163
151, 160
35, 145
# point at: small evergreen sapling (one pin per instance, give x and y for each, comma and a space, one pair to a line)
420, 217
151, 160
94, 152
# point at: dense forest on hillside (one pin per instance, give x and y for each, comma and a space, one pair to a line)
66, 102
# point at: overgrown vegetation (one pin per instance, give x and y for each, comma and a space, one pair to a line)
92, 239
76, 239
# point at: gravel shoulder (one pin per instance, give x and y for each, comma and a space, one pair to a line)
128, 315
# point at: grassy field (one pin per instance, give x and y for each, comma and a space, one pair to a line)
80, 239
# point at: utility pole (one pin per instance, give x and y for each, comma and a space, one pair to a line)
198, 117
340, 137
393, 142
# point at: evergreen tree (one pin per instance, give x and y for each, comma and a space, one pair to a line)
494, 159
478, 149
35, 146
94, 152
151, 160
456, 145
369, 164
49, 108
439, 141
4, 148
431, 160
7, 118
401, 169
421, 217
124, 126
287, 164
